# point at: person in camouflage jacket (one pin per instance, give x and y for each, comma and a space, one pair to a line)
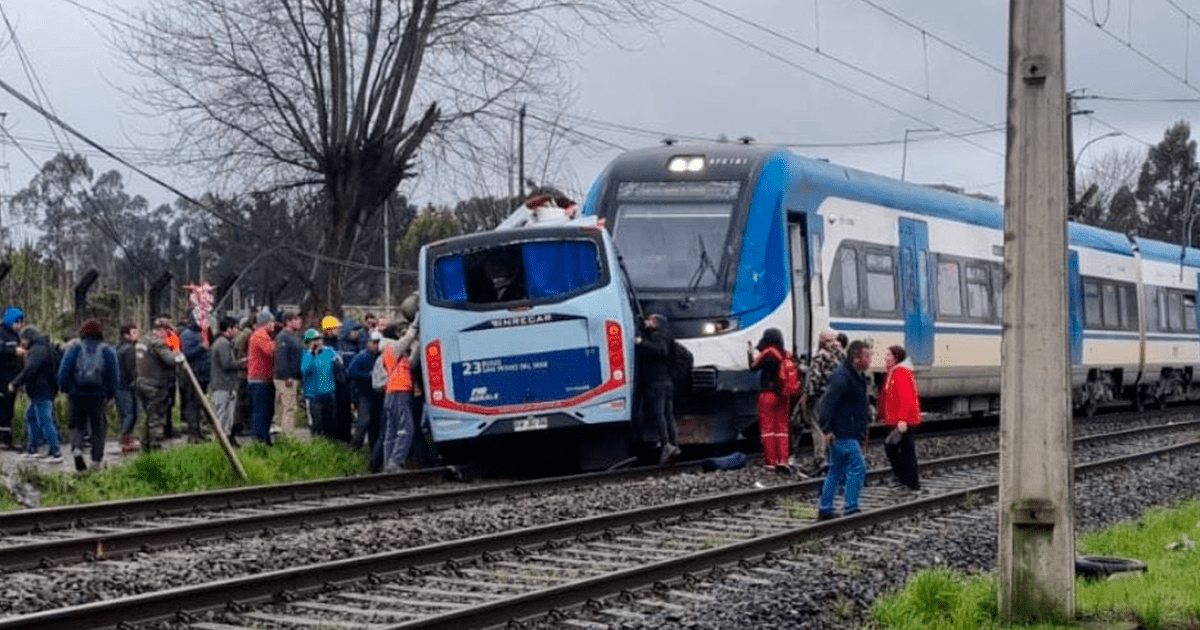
824, 361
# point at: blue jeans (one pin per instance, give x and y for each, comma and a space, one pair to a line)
127, 409
846, 467
39, 419
262, 409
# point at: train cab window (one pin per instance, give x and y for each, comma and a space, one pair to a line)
1112, 315
1189, 312
949, 291
881, 282
1091, 304
978, 306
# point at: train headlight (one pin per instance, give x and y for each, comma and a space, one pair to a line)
686, 164
718, 326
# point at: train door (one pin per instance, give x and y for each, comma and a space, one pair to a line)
1075, 307
914, 291
802, 323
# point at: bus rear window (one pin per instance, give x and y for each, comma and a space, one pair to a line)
530, 271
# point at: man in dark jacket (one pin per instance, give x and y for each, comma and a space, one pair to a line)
654, 370
288, 350
844, 417
41, 386
127, 407
88, 375
369, 402
12, 359
195, 350
226, 375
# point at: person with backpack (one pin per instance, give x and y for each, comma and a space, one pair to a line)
39, 379
654, 365
900, 410
88, 374
779, 384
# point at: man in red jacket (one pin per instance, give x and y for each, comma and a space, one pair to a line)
260, 376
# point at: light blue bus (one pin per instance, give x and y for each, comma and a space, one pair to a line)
527, 341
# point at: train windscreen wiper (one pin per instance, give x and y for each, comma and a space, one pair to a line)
705, 263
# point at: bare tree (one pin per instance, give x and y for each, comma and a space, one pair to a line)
1110, 171
334, 98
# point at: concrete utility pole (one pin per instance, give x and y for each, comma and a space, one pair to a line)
1037, 528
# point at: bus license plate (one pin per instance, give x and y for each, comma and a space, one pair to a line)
530, 424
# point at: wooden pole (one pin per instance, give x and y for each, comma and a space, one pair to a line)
212, 421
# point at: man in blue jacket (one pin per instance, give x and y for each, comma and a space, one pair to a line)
88, 375
318, 367
844, 416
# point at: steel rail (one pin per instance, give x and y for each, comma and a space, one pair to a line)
82, 515
247, 590
110, 544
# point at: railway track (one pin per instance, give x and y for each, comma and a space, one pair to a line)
485, 580
109, 530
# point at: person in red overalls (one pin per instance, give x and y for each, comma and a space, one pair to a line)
900, 410
773, 407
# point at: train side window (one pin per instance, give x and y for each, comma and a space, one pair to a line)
1189, 311
998, 290
815, 255
1128, 307
949, 291
881, 282
1112, 316
843, 282
1154, 313
977, 292
1091, 304
1174, 310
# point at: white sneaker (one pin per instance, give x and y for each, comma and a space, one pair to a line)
28, 455
53, 459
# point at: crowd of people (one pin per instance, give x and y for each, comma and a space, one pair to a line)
357, 386
834, 404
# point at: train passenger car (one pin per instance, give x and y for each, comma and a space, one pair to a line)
1171, 339
527, 340
727, 240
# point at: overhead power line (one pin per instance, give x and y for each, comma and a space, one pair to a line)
830, 81
182, 195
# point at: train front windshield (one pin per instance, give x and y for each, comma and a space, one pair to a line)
672, 234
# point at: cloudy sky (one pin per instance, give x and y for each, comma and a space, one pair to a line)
847, 80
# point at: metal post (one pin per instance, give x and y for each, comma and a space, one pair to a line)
387, 260
521, 155
1037, 537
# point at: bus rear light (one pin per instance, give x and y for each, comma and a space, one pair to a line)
437, 380
616, 351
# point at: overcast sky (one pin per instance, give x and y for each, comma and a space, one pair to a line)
846, 80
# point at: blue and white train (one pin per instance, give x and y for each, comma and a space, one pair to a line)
727, 240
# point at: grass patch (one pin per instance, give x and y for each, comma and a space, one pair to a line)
1166, 597
196, 468
799, 509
